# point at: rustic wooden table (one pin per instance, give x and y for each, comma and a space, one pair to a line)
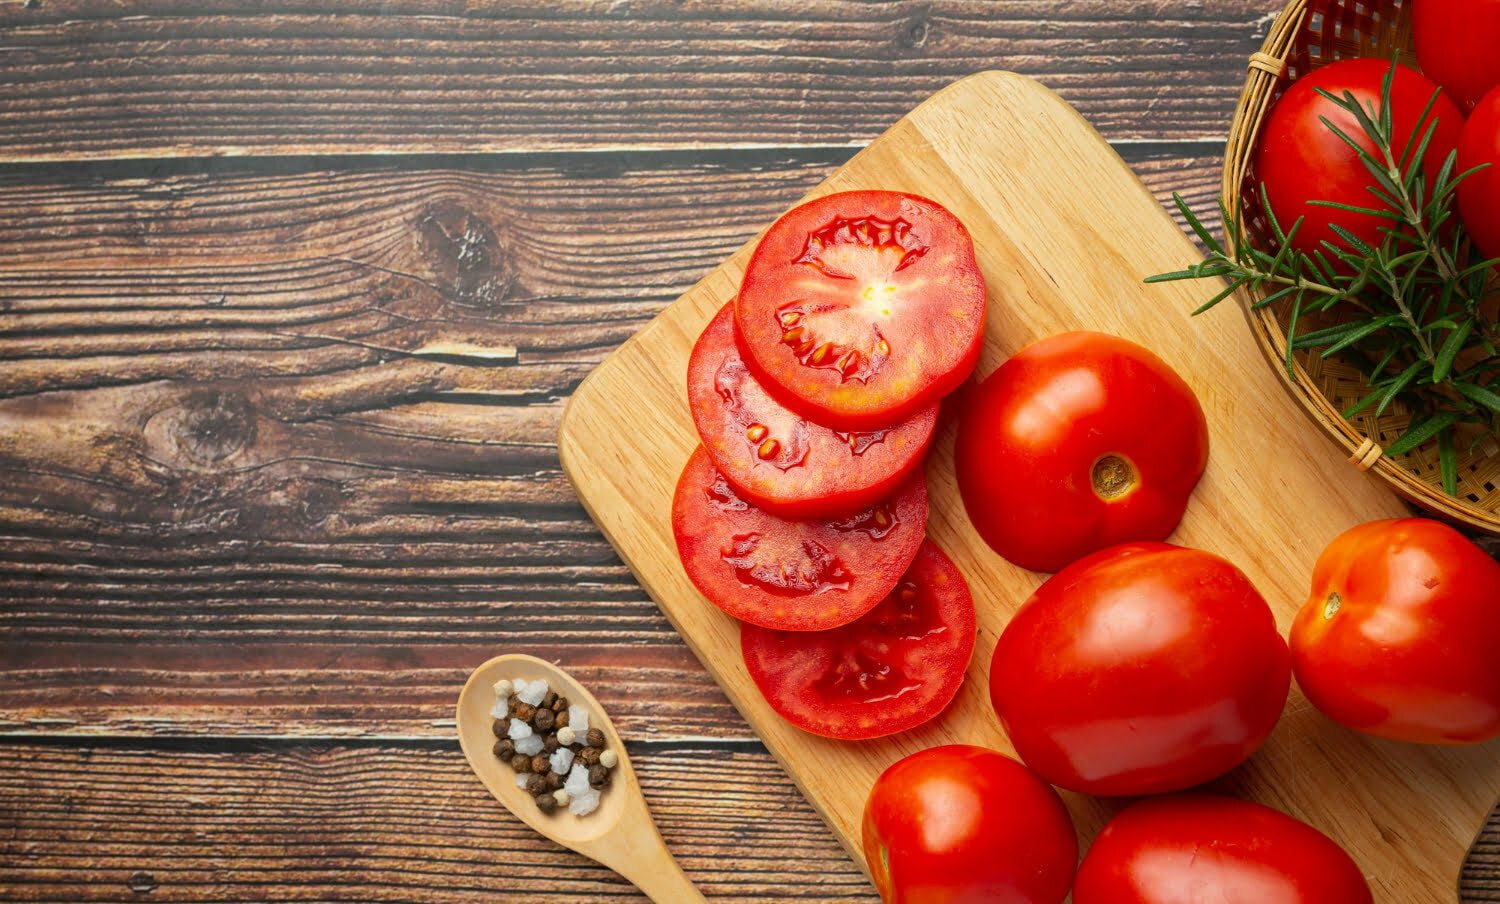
291, 297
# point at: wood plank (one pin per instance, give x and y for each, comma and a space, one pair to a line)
144, 78
200, 493
379, 824
1063, 235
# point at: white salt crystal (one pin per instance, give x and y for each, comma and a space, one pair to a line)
578, 780
578, 719
584, 804
499, 710
519, 730
562, 759
517, 686
521, 778
533, 692
503, 688
530, 745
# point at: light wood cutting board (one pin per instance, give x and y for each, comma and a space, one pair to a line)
1064, 232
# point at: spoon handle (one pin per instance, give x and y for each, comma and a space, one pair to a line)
663, 881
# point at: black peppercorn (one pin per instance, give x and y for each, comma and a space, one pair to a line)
551, 743
505, 748
501, 728
589, 756
536, 784
560, 705
524, 711
548, 700
520, 762
540, 765
544, 719
561, 721
594, 738
598, 776
555, 781
546, 802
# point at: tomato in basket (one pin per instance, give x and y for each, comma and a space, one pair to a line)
793, 575
780, 460
1458, 46
1479, 194
892, 669
859, 309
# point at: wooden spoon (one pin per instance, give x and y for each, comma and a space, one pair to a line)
620, 834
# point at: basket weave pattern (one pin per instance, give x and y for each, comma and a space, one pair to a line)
1308, 34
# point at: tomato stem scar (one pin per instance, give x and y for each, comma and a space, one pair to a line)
1113, 476
1332, 606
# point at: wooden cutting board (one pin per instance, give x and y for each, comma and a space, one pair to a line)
1064, 232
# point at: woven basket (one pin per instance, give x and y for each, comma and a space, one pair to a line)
1308, 34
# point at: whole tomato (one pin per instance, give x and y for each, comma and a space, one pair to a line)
1300, 159
966, 825
1078, 442
1400, 637
1456, 41
1140, 669
1197, 848
1479, 193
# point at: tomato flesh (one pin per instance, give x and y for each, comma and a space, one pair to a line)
792, 575
1195, 848
779, 459
1301, 160
859, 309
1399, 635
1078, 442
966, 825
1141, 669
1479, 193
1455, 42
892, 669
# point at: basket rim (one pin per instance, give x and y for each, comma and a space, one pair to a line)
1265, 70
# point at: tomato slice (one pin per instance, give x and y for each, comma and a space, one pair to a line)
780, 460
792, 575
893, 669
861, 308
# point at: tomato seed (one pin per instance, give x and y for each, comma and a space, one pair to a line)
823, 353
794, 335
768, 449
756, 432
789, 318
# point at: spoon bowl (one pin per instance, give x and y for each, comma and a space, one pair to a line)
619, 834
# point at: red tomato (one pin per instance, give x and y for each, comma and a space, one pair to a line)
1140, 669
1200, 848
1456, 42
1300, 159
1479, 194
1400, 634
792, 575
966, 825
862, 308
894, 668
778, 459
1078, 442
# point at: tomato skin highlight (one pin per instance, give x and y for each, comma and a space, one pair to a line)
1033, 436
1455, 42
1140, 669
1195, 848
892, 669
967, 825
778, 459
830, 572
859, 309
1408, 650
1479, 193
1300, 159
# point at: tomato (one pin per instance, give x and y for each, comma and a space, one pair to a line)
861, 308
778, 459
792, 575
894, 668
1456, 41
966, 825
1200, 848
1479, 194
1140, 669
1078, 442
1300, 159
1400, 634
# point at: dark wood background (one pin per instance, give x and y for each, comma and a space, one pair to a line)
291, 297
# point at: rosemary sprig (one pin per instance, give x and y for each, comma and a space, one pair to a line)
1412, 312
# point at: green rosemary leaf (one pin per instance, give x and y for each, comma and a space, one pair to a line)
1478, 395
1275, 297
1355, 335
1385, 212
1353, 241
1362, 404
1228, 291
1189, 273
1448, 462
1291, 336
1419, 433
1196, 225
1414, 152
1450, 349
1396, 386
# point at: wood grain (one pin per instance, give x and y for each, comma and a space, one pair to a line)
1063, 234
145, 78
225, 528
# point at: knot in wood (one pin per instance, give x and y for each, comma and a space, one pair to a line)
214, 425
465, 254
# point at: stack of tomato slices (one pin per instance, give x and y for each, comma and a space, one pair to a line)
803, 513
